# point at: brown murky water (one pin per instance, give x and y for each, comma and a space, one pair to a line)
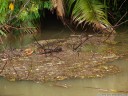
111, 85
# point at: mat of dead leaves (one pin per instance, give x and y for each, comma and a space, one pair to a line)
29, 64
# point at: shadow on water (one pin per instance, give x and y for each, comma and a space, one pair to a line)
19, 41
77, 87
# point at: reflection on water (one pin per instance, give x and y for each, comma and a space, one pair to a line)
18, 41
21, 40
77, 86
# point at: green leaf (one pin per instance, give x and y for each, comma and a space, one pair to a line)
47, 4
23, 15
89, 11
3, 10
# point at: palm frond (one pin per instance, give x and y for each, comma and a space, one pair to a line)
91, 12
69, 7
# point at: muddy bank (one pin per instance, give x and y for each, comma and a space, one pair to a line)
32, 63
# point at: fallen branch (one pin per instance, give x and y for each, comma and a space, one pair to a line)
80, 44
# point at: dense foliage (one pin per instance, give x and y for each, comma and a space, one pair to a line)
20, 15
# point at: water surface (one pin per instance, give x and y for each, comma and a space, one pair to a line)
77, 87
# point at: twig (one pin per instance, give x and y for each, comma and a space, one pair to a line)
121, 23
46, 51
87, 38
80, 44
38, 42
70, 28
108, 35
3, 67
111, 15
121, 18
122, 5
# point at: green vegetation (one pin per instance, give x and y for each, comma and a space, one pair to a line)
23, 15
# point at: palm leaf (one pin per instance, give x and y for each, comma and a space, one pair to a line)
91, 12
70, 4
